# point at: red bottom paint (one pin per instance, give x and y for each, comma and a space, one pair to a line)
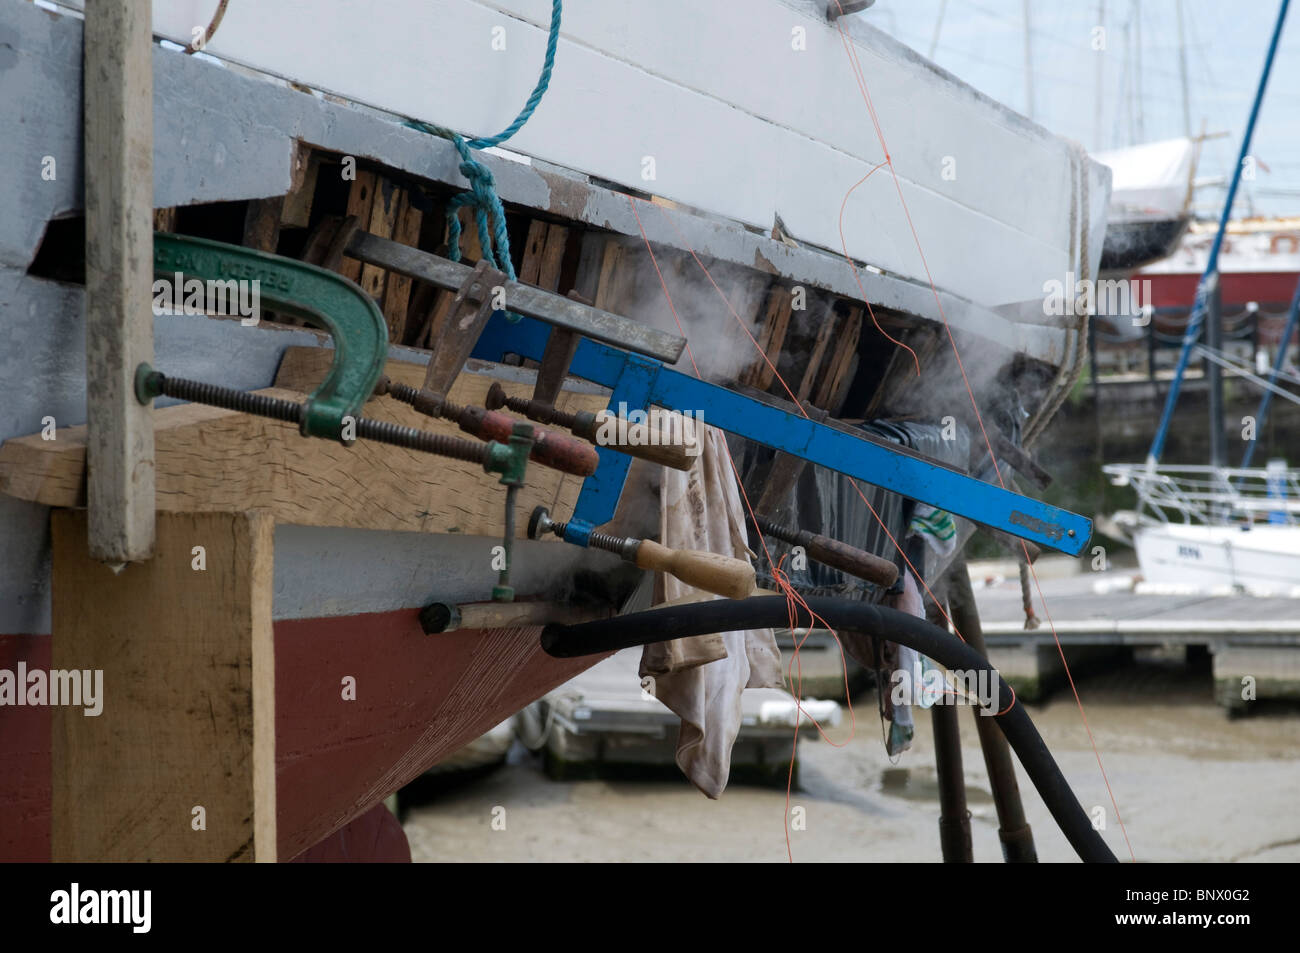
373, 838
364, 704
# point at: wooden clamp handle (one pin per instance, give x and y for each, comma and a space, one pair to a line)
849, 559
722, 575
675, 447
550, 447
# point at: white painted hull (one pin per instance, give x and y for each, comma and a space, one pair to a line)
745, 110
1263, 559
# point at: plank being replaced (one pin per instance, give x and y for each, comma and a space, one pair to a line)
213, 460
119, 275
179, 764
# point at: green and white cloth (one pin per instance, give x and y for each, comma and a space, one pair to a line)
935, 526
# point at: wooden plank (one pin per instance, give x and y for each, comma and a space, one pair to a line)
188, 695
552, 259
841, 371
591, 253
772, 339
119, 275
397, 289
611, 285
361, 201
471, 247
213, 460
824, 335
533, 246
262, 223
298, 203
383, 218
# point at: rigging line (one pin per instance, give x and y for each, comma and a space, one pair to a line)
857, 69
858, 278
1233, 367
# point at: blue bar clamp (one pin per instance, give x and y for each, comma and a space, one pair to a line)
638, 382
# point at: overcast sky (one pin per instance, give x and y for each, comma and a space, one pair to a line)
982, 41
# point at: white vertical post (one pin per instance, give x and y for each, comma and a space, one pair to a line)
118, 100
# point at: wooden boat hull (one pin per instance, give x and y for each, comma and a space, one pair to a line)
418, 699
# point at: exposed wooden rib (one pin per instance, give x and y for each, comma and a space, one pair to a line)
397, 289
772, 338
835, 385
383, 218
298, 203
533, 246
361, 200
262, 223
552, 260
471, 250
824, 335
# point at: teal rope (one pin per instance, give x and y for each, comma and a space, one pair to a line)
543, 81
489, 214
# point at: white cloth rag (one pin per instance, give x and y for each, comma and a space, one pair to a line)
700, 679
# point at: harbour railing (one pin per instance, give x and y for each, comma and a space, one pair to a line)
1212, 495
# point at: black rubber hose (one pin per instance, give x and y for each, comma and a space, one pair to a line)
760, 612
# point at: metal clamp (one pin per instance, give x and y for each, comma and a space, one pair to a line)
323, 298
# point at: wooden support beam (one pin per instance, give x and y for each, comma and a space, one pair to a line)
118, 153
179, 765
213, 460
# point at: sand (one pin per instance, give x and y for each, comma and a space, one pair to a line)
1190, 783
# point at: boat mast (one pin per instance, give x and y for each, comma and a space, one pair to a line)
1209, 283
1029, 68
1182, 71
1101, 77
1137, 69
